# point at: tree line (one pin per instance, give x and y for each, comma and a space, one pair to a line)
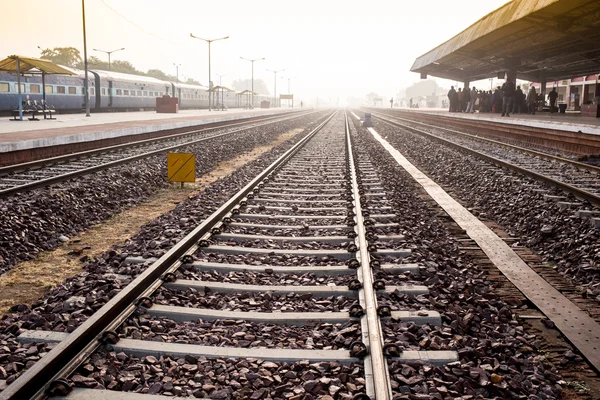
71, 57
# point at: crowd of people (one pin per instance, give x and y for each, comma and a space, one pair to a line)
505, 99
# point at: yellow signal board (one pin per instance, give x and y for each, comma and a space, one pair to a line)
181, 167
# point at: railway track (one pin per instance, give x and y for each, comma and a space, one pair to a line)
545, 139
36, 174
582, 180
305, 234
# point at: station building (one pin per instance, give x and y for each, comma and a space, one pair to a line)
548, 42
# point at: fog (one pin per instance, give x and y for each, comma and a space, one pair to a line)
332, 49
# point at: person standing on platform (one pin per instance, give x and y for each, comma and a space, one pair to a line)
508, 92
553, 95
517, 100
472, 99
459, 94
531, 100
451, 100
466, 99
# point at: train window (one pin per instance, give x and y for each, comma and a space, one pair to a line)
22, 88
49, 89
161, 93
133, 93
60, 90
72, 90
92, 92
103, 91
125, 92
140, 93
4, 87
34, 88
119, 93
145, 93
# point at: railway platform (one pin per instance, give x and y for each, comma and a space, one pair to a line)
568, 122
72, 129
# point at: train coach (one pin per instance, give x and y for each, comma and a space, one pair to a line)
109, 91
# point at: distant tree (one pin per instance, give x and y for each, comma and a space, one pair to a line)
371, 97
125, 67
95, 63
246, 84
158, 74
68, 56
192, 81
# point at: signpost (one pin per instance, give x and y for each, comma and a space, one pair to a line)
181, 167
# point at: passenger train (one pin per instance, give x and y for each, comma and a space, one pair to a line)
112, 91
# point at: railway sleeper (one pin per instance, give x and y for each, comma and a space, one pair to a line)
413, 269
407, 289
338, 254
143, 348
183, 314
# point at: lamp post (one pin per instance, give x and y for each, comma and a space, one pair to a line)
275, 84
252, 61
220, 77
85, 64
209, 41
177, 70
109, 53
289, 90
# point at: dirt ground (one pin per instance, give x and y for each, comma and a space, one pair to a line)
30, 280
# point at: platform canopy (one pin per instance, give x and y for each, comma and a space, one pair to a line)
536, 39
220, 88
19, 65
32, 65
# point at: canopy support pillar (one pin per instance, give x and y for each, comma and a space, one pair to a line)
44, 93
20, 95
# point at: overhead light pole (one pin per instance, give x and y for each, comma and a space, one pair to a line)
220, 77
209, 41
289, 90
252, 61
85, 64
109, 53
275, 84
177, 70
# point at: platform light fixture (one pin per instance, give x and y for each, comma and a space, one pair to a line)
109, 53
275, 84
85, 64
252, 62
220, 84
289, 90
209, 41
177, 70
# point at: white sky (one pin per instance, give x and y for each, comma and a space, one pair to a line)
333, 48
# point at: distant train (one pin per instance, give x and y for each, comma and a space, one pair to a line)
112, 91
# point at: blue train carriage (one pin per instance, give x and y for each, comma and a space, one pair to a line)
63, 92
190, 96
117, 91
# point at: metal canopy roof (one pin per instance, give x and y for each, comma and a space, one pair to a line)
32, 65
540, 39
220, 88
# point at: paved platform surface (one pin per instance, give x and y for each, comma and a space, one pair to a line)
74, 128
566, 122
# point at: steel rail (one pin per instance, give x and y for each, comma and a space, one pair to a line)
579, 193
64, 358
588, 167
32, 165
70, 175
522, 133
381, 380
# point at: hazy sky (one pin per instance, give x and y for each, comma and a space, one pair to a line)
333, 48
